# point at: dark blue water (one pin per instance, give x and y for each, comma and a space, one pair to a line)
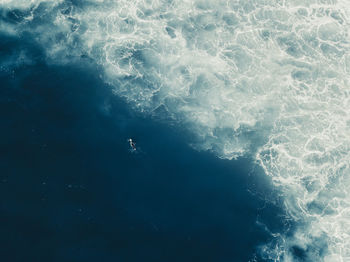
70, 189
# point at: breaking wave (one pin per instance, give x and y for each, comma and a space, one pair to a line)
267, 79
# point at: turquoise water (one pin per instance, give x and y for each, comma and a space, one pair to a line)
262, 80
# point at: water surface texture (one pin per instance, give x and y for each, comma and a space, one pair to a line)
261, 80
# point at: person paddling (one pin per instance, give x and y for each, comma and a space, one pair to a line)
132, 144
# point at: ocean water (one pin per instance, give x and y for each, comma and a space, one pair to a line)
71, 189
252, 97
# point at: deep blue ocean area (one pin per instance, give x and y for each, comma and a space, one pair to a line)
72, 191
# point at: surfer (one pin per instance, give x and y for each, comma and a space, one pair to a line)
132, 144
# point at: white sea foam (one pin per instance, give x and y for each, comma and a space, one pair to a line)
24, 4
268, 79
